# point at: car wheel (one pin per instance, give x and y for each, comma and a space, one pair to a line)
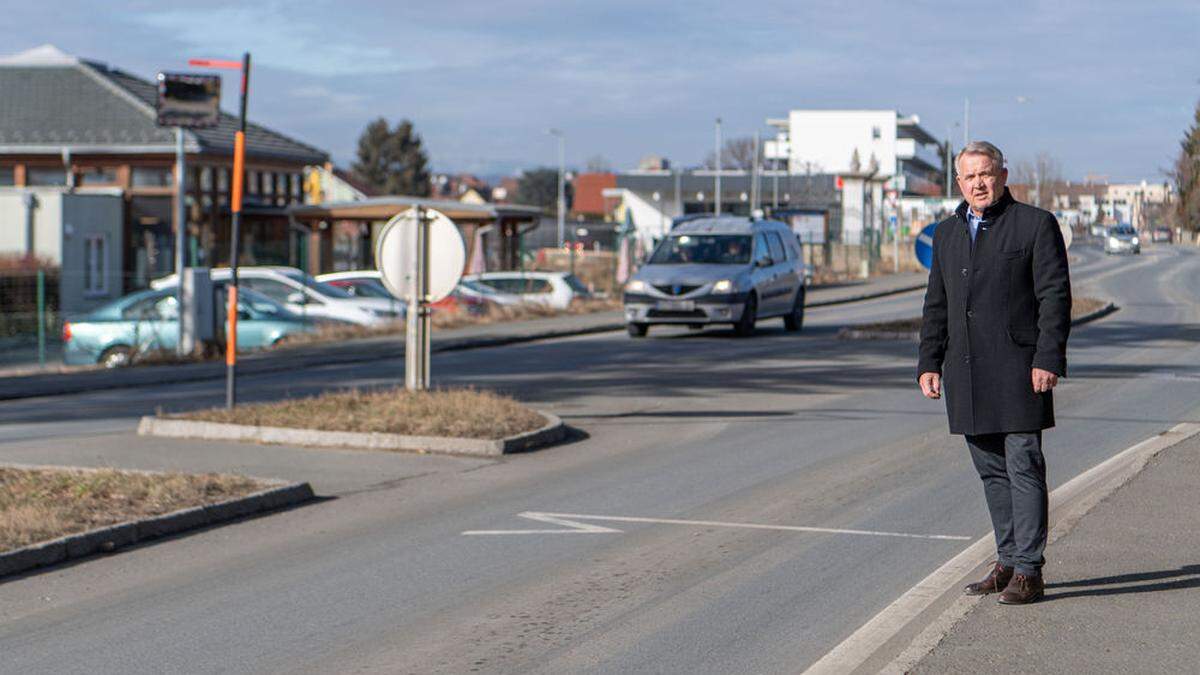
795, 321
745, 325
637, 329
116, 357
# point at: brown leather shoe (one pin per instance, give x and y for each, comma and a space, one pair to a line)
1022, 590
996, 580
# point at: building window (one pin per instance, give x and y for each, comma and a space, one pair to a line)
876, 133
95, 265
99, 175
251, 182
206, 178
223, 180
268, 184
8, 175
152, 176
45, 176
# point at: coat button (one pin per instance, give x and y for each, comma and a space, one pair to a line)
970, 313
966, 359
964, 271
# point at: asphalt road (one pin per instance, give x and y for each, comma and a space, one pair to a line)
721, 433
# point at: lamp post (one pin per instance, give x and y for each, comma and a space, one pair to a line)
717, 175
562, 199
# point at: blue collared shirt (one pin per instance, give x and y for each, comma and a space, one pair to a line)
973, 222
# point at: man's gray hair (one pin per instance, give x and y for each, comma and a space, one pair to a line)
981, 148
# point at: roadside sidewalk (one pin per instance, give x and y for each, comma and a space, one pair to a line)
368, 349
1122, 594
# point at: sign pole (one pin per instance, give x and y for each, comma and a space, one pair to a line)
186, 341
423, 223
414, 348
239, 171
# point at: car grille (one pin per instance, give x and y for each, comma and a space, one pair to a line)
675, 289
676, 314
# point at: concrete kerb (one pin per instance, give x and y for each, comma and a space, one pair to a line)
868, 648
868, 296
852, 333
553, 431
113, 537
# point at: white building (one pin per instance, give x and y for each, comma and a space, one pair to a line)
874, 153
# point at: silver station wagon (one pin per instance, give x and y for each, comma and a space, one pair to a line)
719, 270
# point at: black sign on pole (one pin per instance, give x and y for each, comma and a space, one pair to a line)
189, 101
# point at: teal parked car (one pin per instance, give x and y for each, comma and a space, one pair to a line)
118, 333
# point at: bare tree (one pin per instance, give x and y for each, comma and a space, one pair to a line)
737, 154
1041, 178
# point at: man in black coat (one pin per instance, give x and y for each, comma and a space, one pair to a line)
994, 339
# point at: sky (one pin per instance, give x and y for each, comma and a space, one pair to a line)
1105, 88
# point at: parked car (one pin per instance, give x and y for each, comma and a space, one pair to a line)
486, 294
554, 289
717, 270
369, 284
303, 294
1122, 239
1162, 234
147, 321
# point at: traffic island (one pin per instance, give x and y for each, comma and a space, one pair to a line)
454, 421
52, 514
1083, 310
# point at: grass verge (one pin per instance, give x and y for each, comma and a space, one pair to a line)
1079, 307
42, 504
454, 413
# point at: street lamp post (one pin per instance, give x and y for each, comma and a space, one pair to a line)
717, 175
562, 199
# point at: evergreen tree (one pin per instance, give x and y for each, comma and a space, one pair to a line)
539, 187
392, 161
1187, 177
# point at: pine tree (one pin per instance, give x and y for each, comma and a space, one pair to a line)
392, 161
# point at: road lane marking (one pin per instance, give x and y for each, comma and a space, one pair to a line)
571, 521
1068, 503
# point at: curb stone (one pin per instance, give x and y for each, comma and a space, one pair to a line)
553, 431
851, 333
108, 539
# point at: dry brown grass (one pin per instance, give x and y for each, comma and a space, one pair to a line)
1079, 307
457, 413
42, 504
445, 320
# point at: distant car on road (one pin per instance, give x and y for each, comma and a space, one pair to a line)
303, 294
719, 270
553, 289
1122, 239
148, 321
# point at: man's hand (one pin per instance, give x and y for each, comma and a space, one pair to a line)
1043, 380
931, 385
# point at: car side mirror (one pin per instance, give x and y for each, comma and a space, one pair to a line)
764, 261
297, 298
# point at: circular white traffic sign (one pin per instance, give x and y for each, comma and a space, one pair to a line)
395, 255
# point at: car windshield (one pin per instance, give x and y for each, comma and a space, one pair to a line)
265, 307
328, 290
719, 249
1123, 230
365, 288
477, 287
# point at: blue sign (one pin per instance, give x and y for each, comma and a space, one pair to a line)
924, 245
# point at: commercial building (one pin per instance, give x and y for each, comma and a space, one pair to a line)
71, 127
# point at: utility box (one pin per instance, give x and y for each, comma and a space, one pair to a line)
196, 325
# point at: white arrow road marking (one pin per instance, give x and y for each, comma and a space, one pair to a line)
574, 527
571, 520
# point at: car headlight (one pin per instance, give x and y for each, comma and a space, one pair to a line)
635, 286
723, 286
1135, 241
1114, 241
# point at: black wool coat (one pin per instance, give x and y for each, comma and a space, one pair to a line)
995, 309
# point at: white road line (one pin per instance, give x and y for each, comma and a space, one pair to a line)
1068, 503
571, 520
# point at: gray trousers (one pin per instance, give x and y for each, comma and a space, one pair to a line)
1013, 471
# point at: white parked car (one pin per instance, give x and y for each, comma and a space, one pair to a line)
554, 289
301, 293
